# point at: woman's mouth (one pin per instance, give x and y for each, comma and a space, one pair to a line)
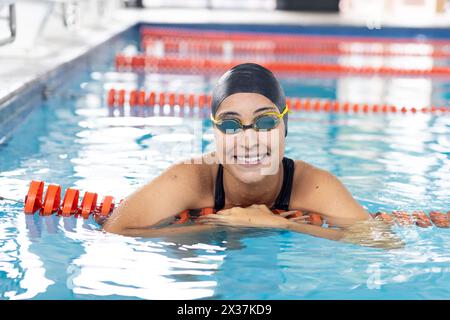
251, 160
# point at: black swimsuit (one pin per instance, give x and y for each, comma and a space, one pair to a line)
282, 202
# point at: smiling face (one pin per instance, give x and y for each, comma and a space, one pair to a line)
249, 155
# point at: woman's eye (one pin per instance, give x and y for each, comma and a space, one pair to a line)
230, 126
266, 123
229, 119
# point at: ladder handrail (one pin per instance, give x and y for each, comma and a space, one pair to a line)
11, 21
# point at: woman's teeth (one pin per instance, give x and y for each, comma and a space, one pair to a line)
250, 160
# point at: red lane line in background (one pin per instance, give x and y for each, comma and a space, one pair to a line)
241, 35
143, 62
214, 46
294, 103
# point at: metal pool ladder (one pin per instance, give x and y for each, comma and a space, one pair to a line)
11, 20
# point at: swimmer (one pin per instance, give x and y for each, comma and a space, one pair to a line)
247, 176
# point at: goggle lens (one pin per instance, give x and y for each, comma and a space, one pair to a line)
229, 126
266, 123
232, 126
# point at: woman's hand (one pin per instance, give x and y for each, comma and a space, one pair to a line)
254, 216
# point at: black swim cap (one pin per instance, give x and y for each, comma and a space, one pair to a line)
249, 77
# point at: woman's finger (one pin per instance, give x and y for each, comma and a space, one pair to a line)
225, 212
287, 213
204, 220
299, 220
217, 223
211, 218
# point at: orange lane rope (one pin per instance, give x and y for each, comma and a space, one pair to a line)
70, 206
201, 34
143, 62
179, 44
141, 98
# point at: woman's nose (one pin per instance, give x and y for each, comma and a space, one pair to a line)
249, 138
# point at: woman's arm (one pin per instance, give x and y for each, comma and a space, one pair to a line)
261, 217
174, 191
316, 231
168, 231
369, 233
321, 192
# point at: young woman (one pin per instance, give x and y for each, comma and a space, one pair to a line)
247, 176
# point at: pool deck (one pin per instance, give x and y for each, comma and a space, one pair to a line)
32, 57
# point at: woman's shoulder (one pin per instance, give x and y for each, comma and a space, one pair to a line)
197, 173
313, 185
307, 174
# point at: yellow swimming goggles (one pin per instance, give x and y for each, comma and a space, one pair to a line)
264, 122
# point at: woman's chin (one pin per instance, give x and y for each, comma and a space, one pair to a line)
250, 179
248, 176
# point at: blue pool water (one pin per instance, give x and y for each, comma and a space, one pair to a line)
388, 162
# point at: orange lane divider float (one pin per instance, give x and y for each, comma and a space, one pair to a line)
141, 98
419, 218
190, 33
157, 64
174, 44
70, 207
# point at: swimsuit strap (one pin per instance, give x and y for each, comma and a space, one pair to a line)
219, 194
284, 197
282, 202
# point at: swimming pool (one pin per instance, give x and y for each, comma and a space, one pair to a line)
389, 161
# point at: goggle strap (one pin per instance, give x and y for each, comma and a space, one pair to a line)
280, 115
